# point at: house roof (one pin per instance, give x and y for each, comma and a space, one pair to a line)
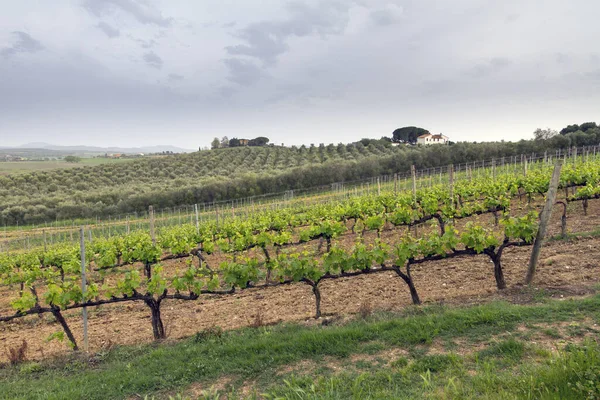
424, 136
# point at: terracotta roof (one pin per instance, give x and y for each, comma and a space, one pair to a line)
424, 136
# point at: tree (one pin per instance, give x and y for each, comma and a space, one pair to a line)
408, 134
234, 142
224, 141
215, 144
259, 141
72, 159
544, 134
569, 129
586, 126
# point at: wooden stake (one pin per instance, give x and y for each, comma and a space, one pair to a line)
451, 182
545, 217
151, 214
414, 183
83, 287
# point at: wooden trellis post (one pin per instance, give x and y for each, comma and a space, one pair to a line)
544, 218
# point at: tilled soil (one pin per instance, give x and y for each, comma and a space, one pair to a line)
568, 266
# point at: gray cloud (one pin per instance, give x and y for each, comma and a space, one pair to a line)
108, 30
153, 60
243, 72
485, 69
24, 43
389, 15
147, 44
226, 91
175, 77
142, 11
267, 40
561, 58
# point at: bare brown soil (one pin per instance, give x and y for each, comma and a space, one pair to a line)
568, 267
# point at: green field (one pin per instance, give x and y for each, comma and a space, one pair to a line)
546, 349
15, 167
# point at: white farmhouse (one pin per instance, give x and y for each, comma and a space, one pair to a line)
428, 138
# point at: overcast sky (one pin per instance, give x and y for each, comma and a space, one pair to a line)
180, 72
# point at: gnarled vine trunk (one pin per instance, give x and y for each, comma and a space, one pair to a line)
158, 328
498, 273
407, 278
61, 320
317, 294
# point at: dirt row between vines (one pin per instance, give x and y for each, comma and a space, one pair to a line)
569, 267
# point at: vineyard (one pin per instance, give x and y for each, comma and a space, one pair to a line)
388, 233
19, 236
213, 176
181, 179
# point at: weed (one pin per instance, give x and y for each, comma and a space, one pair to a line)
258, 320
212, 333
30, 368
365, 310
17, 354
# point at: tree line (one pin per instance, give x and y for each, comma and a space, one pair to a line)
235, 142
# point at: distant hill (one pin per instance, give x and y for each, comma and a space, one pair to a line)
94, 149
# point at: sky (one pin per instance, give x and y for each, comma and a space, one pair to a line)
180, 72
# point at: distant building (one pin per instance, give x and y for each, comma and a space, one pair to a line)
428, 138
244, 142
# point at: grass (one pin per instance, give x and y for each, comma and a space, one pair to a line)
573, 374
576, 235
505, 368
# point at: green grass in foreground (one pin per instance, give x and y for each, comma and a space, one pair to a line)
501, 361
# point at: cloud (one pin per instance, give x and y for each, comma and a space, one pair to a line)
147, 44
492, 66
141, 10
263, 44
226, 91
266, 40
24, 43
243, 72
175, 77
153, 60
389, 15
108, 30
561, 58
